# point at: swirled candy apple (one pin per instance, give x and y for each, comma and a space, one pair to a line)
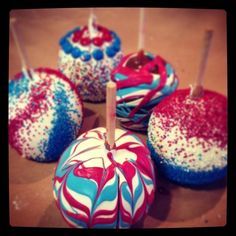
143, 80
105, 179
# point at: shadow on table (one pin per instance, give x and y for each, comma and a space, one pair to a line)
90, 120
23, 171
159, 210
172, 203
177, 203
52, 217
163, 197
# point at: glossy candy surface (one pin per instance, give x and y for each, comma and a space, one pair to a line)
98, 188
140, 87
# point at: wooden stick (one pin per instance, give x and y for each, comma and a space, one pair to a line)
91, 21
20, 49
197, 90
111, 114
141, 29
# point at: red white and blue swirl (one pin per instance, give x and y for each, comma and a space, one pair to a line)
139, 90
45, 114
98, 188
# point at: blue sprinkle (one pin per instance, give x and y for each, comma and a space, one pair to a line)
98, 54
64, 130
110, 52
18, 87
184, 176
85, 56
76, 52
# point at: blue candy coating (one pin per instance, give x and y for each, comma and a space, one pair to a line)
117, 42
110, 52
67, 46
98, 54
62, 41
116, 46
185, 176
76, 52
85, 56
63, 131
124, 109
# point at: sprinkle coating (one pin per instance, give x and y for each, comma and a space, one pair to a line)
45, 114
190, 133
88, 62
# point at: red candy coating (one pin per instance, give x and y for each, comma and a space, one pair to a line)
97, 41
76, 36
107, 37
85, 41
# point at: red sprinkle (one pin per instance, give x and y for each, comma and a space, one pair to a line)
205, 118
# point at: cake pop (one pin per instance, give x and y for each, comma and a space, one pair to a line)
105, 178
187, 134
87, 55
143, 80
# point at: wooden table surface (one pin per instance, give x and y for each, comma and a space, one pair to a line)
176, 35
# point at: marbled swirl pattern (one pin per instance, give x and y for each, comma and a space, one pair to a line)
138, 91
98, 188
